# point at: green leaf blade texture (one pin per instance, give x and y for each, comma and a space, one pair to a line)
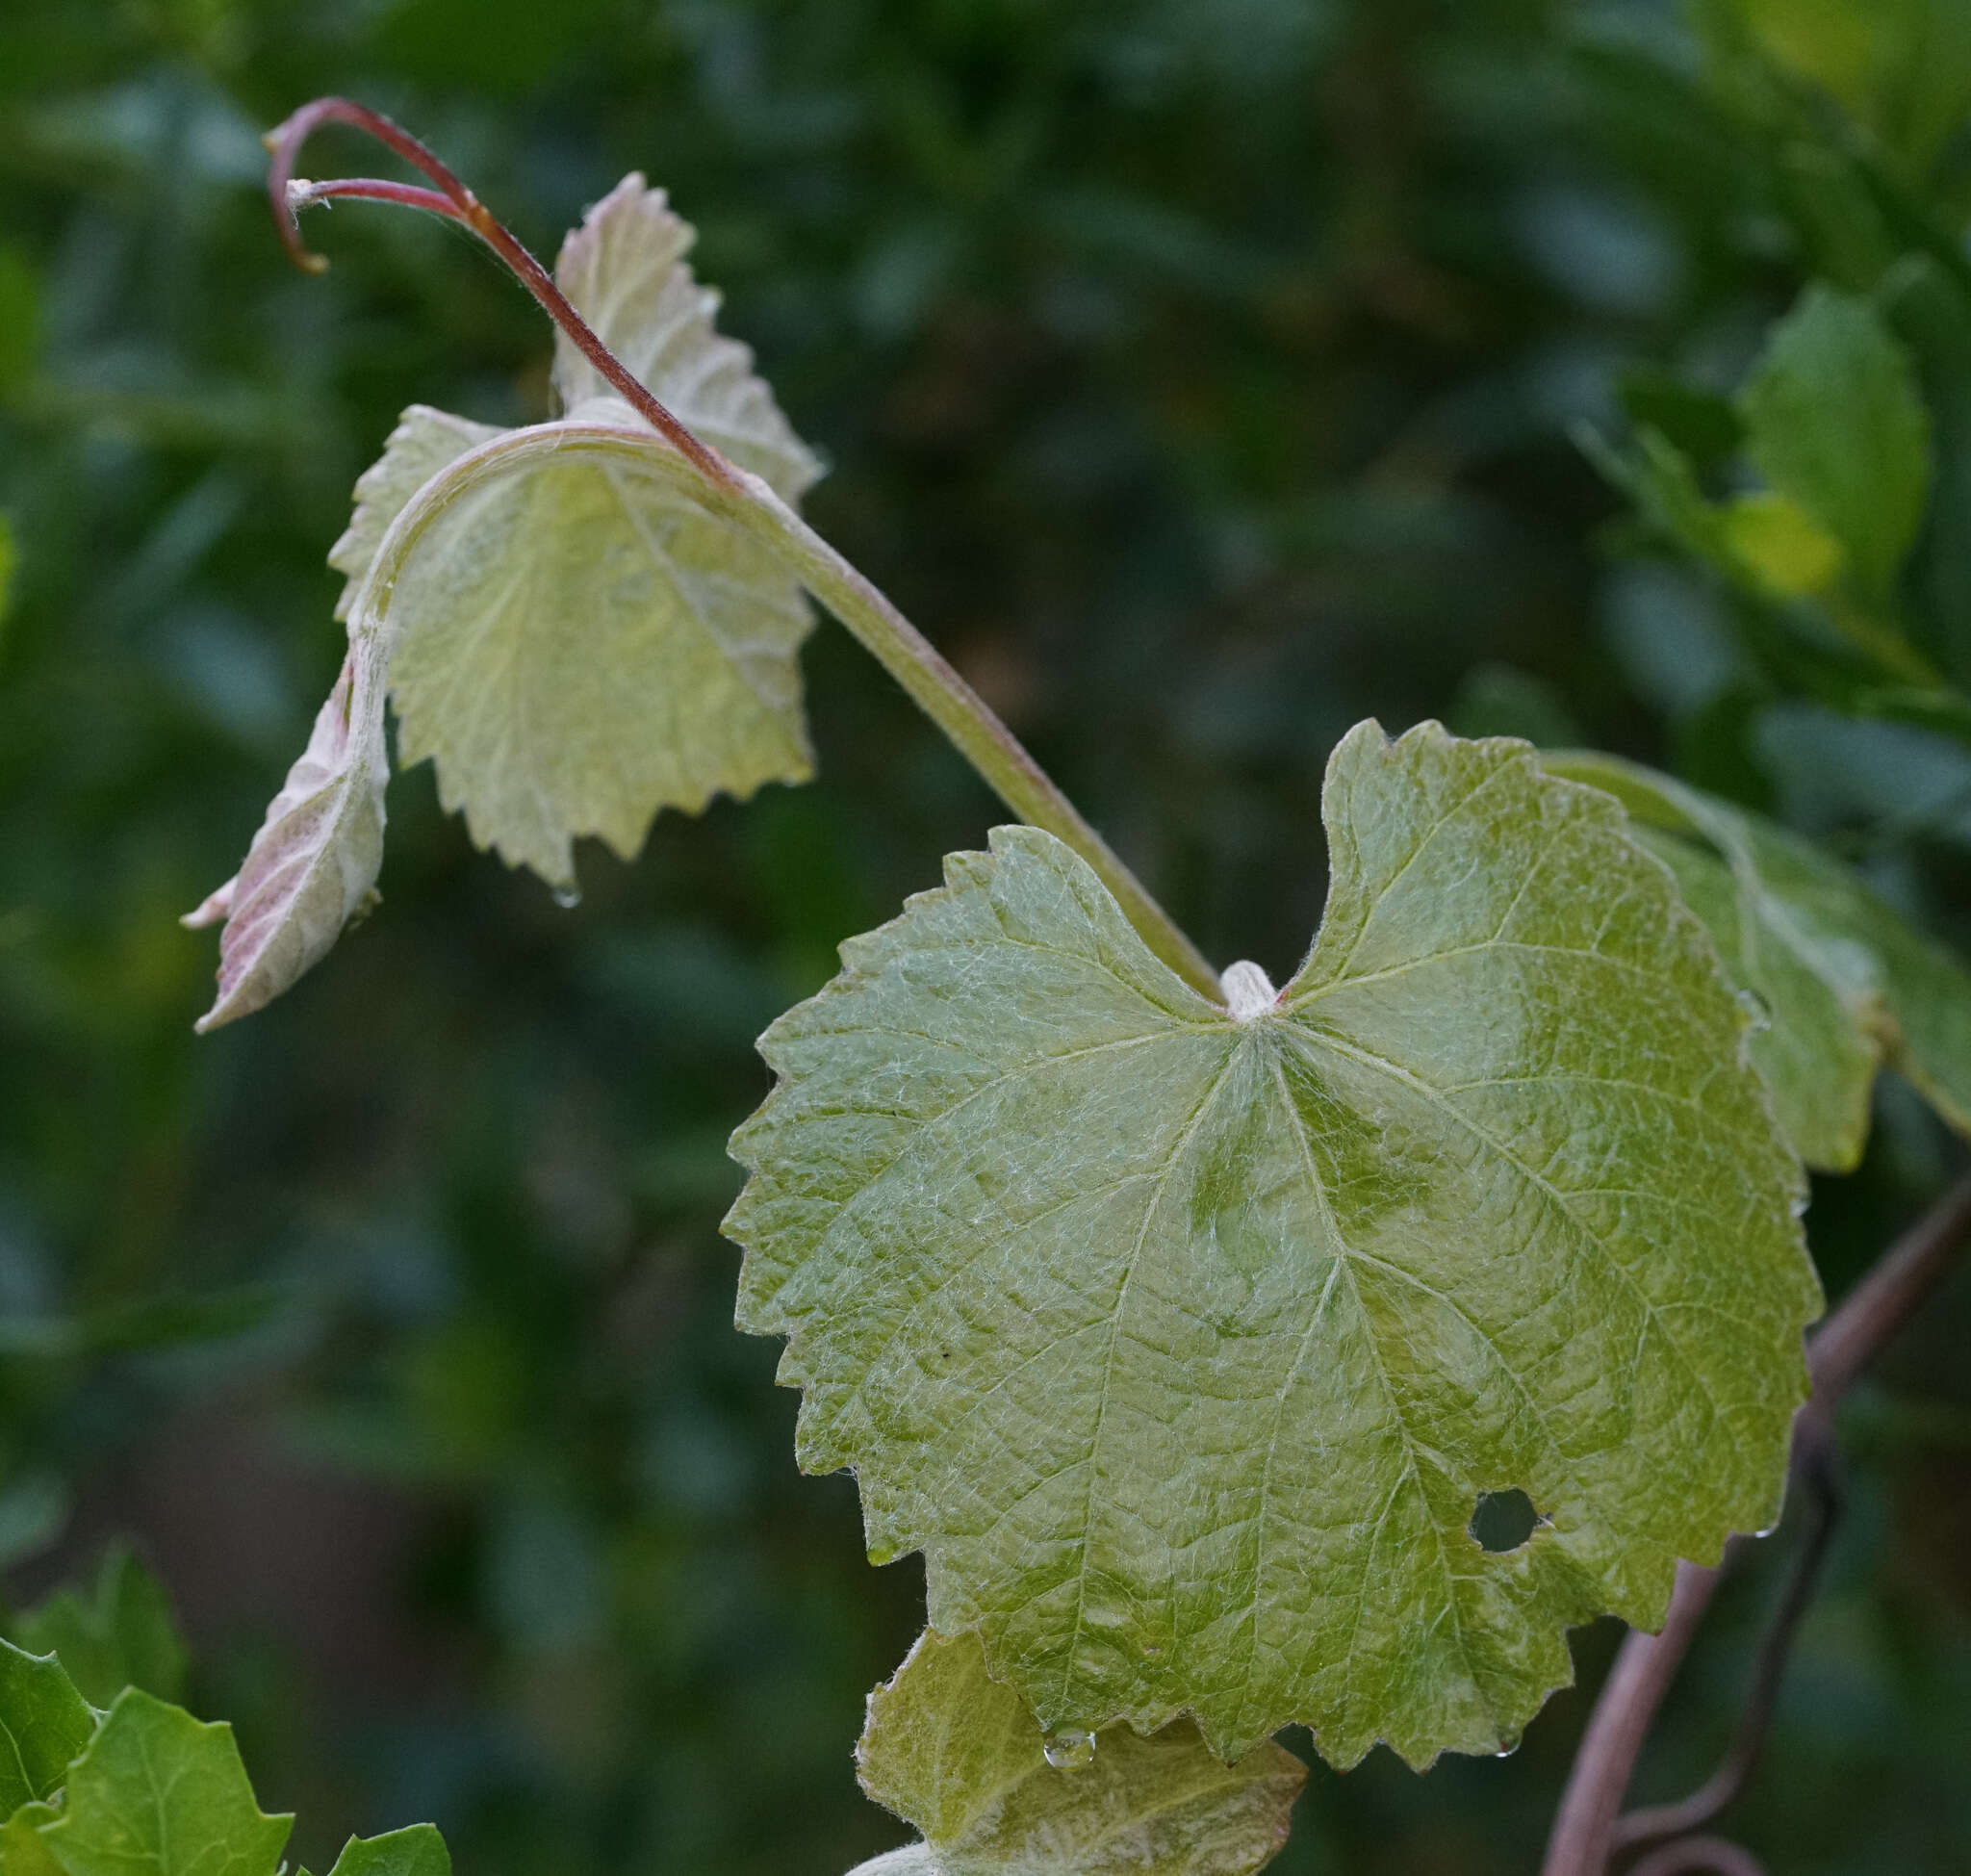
578, 643
1182, 1346
44, 1723
959, 1756
1835, 424
1846, 983
159, 1794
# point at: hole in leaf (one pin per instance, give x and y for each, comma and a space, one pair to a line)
1503, 1521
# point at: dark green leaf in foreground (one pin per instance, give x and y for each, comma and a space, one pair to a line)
959, 1755
120, 1634
1183, 1343
159, 1794
44, 1724
1842, 977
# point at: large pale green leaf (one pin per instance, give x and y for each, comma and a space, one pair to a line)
1184, 1340
312, 866
578, 642
959, 1755
119, 1634
44, 1724
159, 1794
1834, 422
1842, 977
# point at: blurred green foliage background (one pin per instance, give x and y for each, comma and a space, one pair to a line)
1203, 376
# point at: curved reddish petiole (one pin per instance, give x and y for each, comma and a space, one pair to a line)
452, 199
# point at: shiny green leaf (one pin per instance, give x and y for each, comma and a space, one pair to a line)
1184, 1342
159, 1794
1842, 978
958, 1755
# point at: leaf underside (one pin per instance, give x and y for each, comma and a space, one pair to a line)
957, 1755
1184, 1346
578, 643
1843, 980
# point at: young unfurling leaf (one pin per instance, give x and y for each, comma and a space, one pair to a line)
560, 624
958, 1754
314, 862
1841, 977
1183, 1343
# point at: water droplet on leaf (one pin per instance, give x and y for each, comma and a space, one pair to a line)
567, 897
1508, 1747
1069, 1749
1757, 1009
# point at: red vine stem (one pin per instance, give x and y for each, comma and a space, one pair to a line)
455, 201
1848, 1340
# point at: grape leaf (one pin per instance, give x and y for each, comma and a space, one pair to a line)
120, 1634
623, 270
579, 642
1844, 979
573, 638
159, 1794
417, 1850
1834, 422
958, 1755
44, 1724
312, 866
1183, 1345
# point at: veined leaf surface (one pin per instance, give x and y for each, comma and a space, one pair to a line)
1843, 977
958, 1755
1183, 1345
578, 642
159, 1794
